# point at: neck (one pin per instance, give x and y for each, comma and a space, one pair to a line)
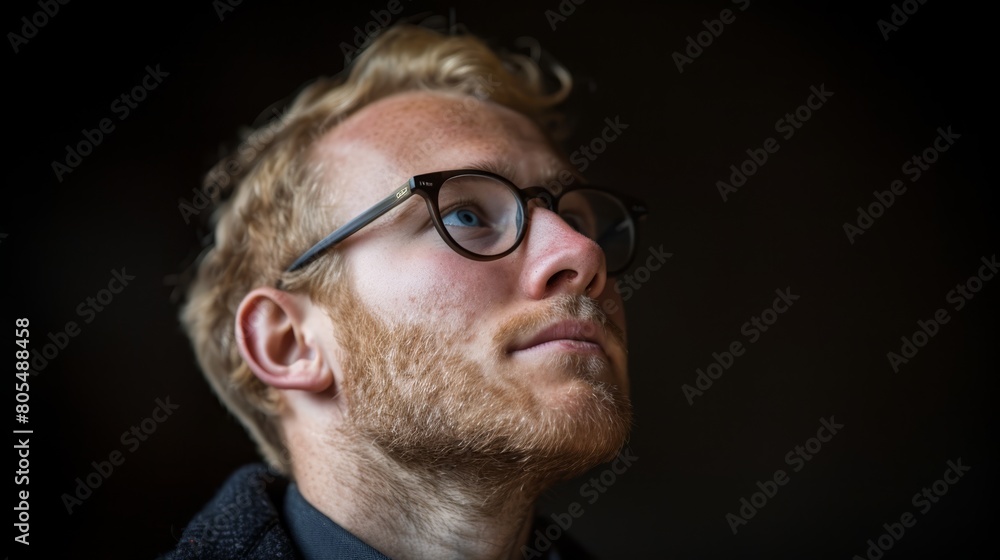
468, 507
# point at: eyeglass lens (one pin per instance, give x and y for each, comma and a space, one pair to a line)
483, 216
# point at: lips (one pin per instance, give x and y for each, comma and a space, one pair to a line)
582, 335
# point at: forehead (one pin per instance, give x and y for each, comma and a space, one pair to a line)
384, 144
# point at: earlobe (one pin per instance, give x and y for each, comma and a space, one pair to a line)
276, 342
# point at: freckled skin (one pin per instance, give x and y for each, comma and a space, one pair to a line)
403, 269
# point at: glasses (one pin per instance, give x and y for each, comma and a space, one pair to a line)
482, 215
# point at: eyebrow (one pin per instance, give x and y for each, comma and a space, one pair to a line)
501, 166
506, 168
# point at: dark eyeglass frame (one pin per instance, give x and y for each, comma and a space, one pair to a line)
428, 185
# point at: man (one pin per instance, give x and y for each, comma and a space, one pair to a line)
452, 348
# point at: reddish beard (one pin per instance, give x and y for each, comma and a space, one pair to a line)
428, 407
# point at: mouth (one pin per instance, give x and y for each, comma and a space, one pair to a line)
572, 336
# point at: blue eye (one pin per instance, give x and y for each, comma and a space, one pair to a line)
462, 217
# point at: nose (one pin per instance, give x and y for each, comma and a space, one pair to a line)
560, 260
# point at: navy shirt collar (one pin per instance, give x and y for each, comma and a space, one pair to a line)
317, 536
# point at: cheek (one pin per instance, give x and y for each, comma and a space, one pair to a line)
433, 287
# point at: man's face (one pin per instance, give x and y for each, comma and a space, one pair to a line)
445, 357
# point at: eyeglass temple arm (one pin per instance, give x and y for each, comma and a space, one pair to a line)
397, 197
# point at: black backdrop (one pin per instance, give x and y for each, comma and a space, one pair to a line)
826, 356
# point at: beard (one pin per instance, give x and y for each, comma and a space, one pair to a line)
496, 424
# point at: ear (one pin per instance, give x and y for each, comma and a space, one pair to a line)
276, 342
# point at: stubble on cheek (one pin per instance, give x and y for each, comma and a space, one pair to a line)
412, 391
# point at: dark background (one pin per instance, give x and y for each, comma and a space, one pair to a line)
783, 229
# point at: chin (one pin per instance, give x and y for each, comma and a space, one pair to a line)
560, 373
583, 419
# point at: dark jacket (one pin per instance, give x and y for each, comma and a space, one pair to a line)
243, 521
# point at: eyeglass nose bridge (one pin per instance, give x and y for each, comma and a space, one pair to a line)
533, 193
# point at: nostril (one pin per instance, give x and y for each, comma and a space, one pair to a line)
565, 275
594, 289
